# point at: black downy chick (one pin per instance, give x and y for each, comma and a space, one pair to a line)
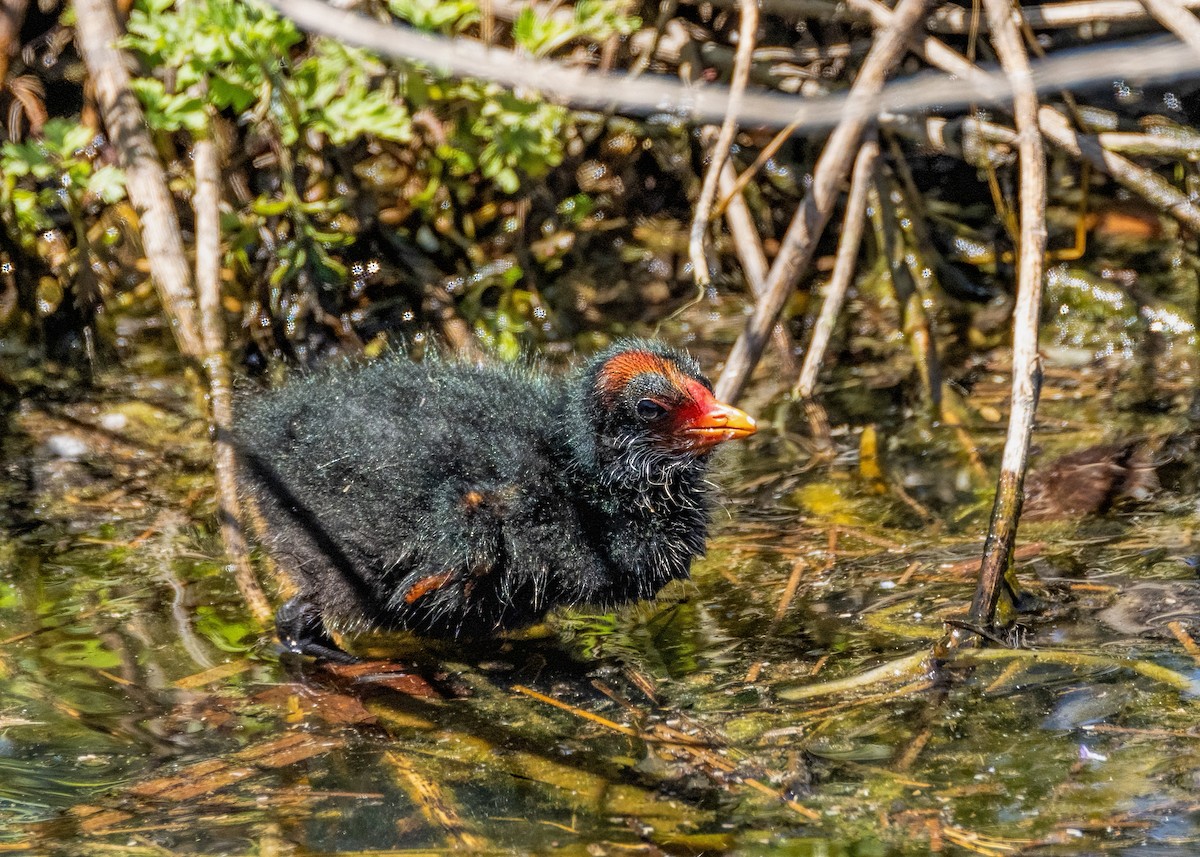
458, 500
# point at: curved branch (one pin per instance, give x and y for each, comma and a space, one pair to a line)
1150, 59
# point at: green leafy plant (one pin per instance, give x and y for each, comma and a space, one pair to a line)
335, 127
228, 55
542, 33
53, 176
501, 135
239, 56
48, 188
436, 16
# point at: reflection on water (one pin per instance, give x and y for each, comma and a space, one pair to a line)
141, 709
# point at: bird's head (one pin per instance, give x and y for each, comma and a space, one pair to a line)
651, 409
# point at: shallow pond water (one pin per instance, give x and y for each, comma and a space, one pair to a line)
785, 702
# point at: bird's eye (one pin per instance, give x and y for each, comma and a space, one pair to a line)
648, 409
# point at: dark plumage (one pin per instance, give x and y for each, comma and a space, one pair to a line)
460, 500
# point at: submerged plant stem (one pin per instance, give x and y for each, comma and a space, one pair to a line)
1079, 659
216, 363
892, 671
1026, 365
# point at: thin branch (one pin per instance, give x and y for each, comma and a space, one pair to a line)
212, 317
768, 151
1054, 125
748, 246
96, 35
747, 37
1149, 185
654, 94
1026, 368
843, 268
1174, 16
813, 214
1053, 16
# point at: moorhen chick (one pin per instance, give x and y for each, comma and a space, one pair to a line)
458, 500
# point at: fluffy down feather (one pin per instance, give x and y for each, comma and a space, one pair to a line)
460, 500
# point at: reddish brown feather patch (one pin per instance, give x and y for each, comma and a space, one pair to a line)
426, 585
616, 374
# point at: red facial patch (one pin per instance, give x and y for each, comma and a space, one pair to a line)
694, 421
699, 402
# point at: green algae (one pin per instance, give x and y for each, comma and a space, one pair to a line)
137, 698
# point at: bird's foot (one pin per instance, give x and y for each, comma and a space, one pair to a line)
302, 631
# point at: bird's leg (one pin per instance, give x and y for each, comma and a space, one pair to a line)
302, 630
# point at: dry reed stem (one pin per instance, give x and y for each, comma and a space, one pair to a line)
1026, 364
1149, 185
814, 211
747, 38
216, 364
1052, 16
1184, 144
748, 246
96, 35
1055, 126
656, 93
844, 267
